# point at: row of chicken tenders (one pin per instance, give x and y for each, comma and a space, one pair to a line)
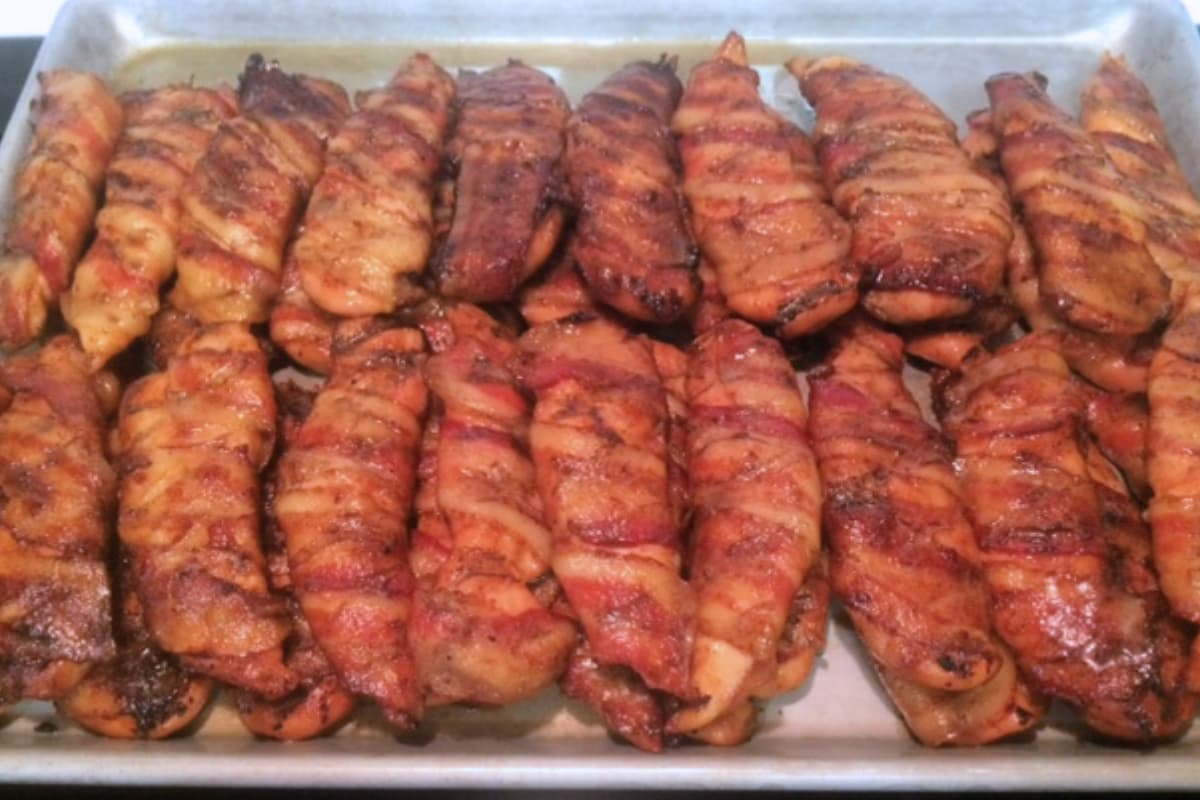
453, 392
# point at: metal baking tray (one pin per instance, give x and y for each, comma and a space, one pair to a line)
838, 731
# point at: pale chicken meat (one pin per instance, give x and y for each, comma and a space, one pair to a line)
248, 190
193, 440
930, 230
480, 634
57, 192
343, 497
505, 158
1094, 269
1063, 553
904, 561
57, 493
115, 293
368, 230
760, 212
632, 242
757, 535
599, 444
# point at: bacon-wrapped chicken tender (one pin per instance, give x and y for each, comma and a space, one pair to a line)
930, 230
115, 292
632, 240
57, 493
57, 193
193, 439
760, 212
343, 497
248, 190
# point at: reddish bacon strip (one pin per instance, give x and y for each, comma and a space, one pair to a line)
343, 497
57, 192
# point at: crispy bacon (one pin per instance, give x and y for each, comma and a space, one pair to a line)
247, 192
1118, 423
627, 708
1093, 266
632, 241
558, 293
761, 214
598, 440
1070, 594
757, 500
930, 230
343, 497
904, 561
479, 633
193, 439
57, 492
302, 329
57, 192
115, 291
143, 693
505, 156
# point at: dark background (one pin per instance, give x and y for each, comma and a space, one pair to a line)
16, 57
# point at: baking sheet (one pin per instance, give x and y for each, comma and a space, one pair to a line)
837, 732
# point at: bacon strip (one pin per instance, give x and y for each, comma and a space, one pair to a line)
632, 242
56, 494
57, 192
505, 156
930, 230
115, 291
248, 190
343, 497
757, 534
904, 561
598, 440
193, 440
761, 214
1070, 595
1093, 266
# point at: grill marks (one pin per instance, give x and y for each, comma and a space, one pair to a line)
632, 240
505, 157
248, 190
904, 561
759, 209
57, 492
57, 193
930, 231
115, 292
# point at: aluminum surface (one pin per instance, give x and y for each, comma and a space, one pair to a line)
838, 732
